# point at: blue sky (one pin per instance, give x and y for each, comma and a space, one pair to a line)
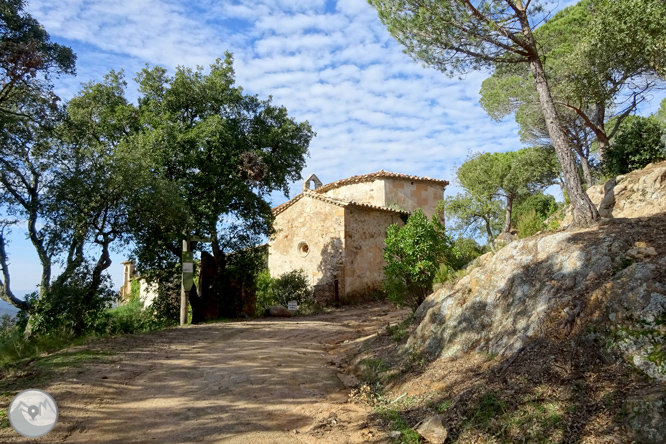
329, 62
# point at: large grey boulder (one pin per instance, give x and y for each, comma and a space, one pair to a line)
610, 275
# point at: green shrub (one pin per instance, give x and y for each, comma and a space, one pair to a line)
635, 147
66, 305
290, 286
467, 250
444, 274
125, 319
543, 204
531, 212
14, 346
264, 293
413, 255
529, 224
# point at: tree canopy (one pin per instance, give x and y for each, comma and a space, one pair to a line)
224, 151
197, 157
508, 176
28, 112
602, 60
461, 35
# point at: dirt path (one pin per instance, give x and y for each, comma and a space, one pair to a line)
263, 381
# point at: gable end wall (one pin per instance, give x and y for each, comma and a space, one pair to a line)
321, 226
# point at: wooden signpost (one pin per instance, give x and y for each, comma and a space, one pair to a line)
188, 279
188, 274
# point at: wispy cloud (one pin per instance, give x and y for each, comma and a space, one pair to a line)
329, 62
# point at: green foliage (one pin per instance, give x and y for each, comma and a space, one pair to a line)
264, 291
166, 306
531, 213
372, 369
413, 254
590, 51
510, 174
290, 286
542, 204
399, 331
125, 319
660, 115
66, 306
397, 422
469, 215
637, 145
445, 273
529, 224
431, 32
468, 250
14, 347
28, 112
224, 151
492, 183
135, 289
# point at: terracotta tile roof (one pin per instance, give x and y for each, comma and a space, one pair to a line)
378, 175
339, 202
319, 192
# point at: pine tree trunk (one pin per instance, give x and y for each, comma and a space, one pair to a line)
602, 144
509, 210
488, 230
585, 213
586, 172
585, 163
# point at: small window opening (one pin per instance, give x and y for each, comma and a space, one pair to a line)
303, 248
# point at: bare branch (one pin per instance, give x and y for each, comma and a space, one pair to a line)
502, 30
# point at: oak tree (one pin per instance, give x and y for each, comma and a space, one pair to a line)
28, 112
225, 151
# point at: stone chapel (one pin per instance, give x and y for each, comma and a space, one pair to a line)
336, 232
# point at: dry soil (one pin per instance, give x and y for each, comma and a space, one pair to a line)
258, 381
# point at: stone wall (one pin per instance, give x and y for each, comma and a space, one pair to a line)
410, 195
319, 226
365, 192
364, 253
147, 292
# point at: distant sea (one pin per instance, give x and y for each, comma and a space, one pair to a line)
6, 308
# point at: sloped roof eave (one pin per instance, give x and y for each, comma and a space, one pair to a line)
338, 202
381, 174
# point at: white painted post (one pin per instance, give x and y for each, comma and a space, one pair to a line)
187, 279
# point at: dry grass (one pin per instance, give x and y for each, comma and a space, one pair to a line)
555, 391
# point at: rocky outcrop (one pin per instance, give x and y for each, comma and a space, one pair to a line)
640, 193
607, 282
608, 279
